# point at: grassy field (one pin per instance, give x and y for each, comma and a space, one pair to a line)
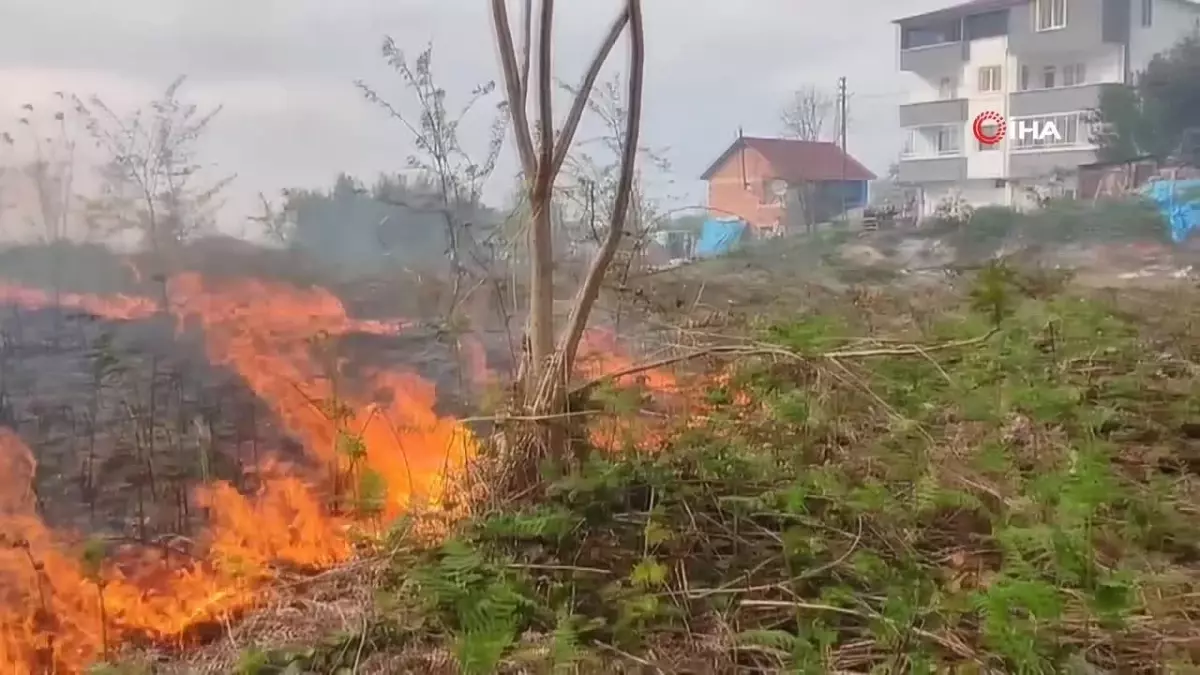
1001, 478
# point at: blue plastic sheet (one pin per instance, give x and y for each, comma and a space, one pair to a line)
718, 237
1179, 202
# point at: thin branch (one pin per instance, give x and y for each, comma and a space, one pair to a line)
526, 50
513, 87
584, 90
590, 290
545, 108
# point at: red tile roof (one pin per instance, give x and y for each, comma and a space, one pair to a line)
798, 161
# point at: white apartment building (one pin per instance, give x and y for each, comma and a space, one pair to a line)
1030, 61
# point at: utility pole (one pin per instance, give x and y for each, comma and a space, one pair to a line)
842, 133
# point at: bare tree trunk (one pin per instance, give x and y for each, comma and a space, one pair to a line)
548, 365
541, 282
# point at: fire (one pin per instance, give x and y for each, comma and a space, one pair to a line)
599, 356
62, 607
118, 306
264, 332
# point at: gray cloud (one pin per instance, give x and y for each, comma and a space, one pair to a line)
284, 70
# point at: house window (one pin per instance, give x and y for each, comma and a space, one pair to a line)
1074, 74
1074, 129
1050, 14
1147, 13
946, 88
1024, 78
989, 78
1048, 77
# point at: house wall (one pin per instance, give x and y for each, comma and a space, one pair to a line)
1171, 20
734, 193
984, 162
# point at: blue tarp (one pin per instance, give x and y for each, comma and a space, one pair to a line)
1172, 199
718, 237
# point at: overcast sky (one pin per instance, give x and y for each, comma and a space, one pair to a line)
284, 71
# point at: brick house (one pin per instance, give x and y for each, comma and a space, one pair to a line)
756, 177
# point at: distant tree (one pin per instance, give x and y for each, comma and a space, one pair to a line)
1152, 117
592, 174
152, 176
51, 171
398, 220
457, 177
808, 114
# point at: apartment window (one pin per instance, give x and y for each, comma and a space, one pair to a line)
1147, 13
946, 140
1024, 83
1048, 74
1074, 74
989, 129
946, 88
1050, 14
1073, 129
989, 78
933, 141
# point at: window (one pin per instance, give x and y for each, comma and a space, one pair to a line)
1074, 74
1024, 78
1147, 13
989, 129
1050, 14
946, 141
989, 78
946, 88
1074, 129
933, 141
1048, 77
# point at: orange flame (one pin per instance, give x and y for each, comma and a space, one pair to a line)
124, 307
60, 612
600, 356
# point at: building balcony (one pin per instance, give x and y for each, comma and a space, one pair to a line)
921, 169
1056, 100
935, 58
926, 113
1040, 164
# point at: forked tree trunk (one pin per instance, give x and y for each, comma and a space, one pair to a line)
548, 362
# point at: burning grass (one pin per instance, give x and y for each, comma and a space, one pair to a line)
1026, 503
375, 448
1017, 495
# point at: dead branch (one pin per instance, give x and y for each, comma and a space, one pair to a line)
768, 350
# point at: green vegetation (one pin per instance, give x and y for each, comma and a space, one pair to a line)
984, 231
1021, 499
1154, 117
